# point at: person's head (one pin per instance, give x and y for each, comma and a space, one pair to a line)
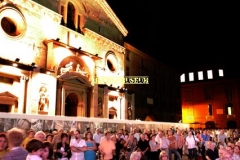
49, 137
77, 134
88, 135
210, 145
47, 151
135, 156
170, 132
31, 133
98, 130
107, 134
35, 147
236, 149
3, 141
40, 135
64, 137
229, 149
152, 137
163, 155
15, 137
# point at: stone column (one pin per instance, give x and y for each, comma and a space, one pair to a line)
21, 98
105, 103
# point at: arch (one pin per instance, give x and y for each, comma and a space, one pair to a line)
231, 124
210, 125
71, 13
74, 66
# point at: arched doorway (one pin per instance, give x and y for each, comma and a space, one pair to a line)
231, 124
210, 125
71, 104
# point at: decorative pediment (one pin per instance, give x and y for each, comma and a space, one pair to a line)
7, 98
8, 94
75, 77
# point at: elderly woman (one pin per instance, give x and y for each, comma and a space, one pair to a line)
3, 144
135, 156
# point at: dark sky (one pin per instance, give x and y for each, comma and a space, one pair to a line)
182, 34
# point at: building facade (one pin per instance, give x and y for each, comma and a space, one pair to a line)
159, 100
210, 99
54, 53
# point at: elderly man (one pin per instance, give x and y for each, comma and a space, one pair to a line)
16, 152
162, 141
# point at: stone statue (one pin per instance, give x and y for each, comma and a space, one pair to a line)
67, 68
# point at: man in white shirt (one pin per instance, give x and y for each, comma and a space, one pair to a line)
97, 137
162, 141
136, 134
78, 146
191, 143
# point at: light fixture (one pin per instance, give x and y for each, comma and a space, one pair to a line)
96, 54
33, 64
79, 48
17, 60
58, 39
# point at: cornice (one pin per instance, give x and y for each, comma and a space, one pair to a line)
104, 41
104, 5
38, 9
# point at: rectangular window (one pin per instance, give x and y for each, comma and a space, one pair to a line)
182, 78
210, 74
210, 109
229, 108
191, 76
200, 75
220, 72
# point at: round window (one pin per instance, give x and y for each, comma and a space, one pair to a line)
12, 22
111, 62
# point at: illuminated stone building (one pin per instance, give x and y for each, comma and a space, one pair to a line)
59, 47
210, 98
53, 50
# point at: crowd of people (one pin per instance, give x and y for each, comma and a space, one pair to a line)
205, 144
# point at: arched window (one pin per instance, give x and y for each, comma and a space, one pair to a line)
71, 16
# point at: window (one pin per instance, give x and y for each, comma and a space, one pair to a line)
229, 109
182, 78
220, 72
191, 76
71, 16
200, 75
210, 109
189, 95
210, 74
207, 93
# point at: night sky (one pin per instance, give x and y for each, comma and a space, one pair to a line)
182, 35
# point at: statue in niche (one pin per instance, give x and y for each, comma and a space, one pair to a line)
43, 102
100, 109
129, 111
81, 71
67, 68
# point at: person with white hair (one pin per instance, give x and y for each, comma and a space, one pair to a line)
135, 155
40, 135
